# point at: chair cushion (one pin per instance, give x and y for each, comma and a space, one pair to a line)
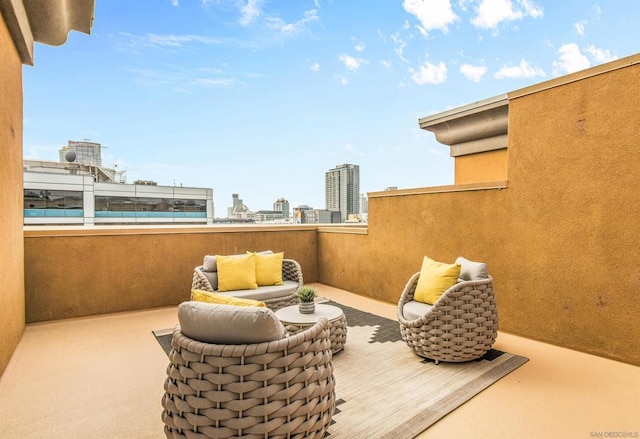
413, 310
435, 278
269, 268
470, 270
236, 272
222, 299
224, 324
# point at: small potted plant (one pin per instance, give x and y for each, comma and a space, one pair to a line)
307, 296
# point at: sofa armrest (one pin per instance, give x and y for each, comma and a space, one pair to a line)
291, 270
200, 281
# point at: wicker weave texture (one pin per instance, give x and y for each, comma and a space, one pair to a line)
291, 270
337, 332
461, 326
278, 389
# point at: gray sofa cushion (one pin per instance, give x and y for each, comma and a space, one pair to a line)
413, 310
266, 292
212, 277
226, 324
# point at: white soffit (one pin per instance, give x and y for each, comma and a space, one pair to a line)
45, 21
473, 128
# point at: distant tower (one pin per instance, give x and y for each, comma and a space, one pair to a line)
342, 190
87, 153
364, 204
238, 210
282, 205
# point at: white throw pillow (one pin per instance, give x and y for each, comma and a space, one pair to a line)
470, 270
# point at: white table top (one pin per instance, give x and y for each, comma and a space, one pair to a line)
291, 314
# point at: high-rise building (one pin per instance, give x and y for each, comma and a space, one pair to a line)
364, 204
342, 190
282, 205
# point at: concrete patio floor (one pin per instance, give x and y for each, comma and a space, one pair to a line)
102, 377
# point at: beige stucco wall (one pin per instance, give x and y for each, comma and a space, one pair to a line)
11, 242
562, 240
92, 271
482, 166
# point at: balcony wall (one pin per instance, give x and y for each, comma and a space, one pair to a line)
85, 271
562, 240
11, 249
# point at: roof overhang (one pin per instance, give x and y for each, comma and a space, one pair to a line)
473, 128
45, 21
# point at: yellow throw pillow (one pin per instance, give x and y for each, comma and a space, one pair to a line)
435, 278
236, 272
269, 268
221, 299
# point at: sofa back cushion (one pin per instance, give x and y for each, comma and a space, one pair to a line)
225, 324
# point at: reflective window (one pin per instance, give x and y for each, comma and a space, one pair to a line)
50, 199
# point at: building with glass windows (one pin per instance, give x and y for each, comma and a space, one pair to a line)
77, 198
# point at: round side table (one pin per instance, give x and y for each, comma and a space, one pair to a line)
295, 321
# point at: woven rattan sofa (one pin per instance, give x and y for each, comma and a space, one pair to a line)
274, 296
461, 325
283, 388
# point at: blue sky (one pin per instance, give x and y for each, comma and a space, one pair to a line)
261, 97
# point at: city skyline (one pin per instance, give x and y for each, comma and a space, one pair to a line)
261, 98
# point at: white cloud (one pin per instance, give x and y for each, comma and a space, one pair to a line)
352, 149
433, 14
341, 79
351, 63
175, 3
571, 59
531, 9
315, 67
400, 46
430, 74
386, 64
600, 55
473, 73
580, 25
279, 25
359, 47
139, 43
250, 12
522, 70
490, 13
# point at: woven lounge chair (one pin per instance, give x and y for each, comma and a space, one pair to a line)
275, 297
460, 326
282, 388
